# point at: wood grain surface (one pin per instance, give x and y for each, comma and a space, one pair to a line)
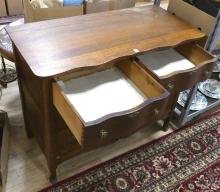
79, 43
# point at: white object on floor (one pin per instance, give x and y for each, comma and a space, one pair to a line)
165, 62
102, 93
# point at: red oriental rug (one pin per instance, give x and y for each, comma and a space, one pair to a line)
187, 160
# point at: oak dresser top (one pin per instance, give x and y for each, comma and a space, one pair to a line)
54, 47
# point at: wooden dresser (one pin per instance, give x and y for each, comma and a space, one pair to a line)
4, 146
61, 61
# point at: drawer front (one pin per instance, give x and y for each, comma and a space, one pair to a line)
124, 125
177, 81
112, 128
185, 80
114, 125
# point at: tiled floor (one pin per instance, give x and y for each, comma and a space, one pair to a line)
27, 169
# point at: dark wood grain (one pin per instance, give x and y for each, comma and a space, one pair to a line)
57, 46
4, 149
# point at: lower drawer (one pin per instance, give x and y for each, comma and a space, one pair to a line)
101, 107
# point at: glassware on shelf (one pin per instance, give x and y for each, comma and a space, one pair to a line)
198, 103
210, 88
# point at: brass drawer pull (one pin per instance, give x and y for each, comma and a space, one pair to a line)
207, 73
192, 72
103, 134
156, 112
170, 86
135, 114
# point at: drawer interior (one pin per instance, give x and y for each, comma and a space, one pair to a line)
123, 86
170, 61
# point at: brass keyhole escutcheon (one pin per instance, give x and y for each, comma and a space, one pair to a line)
156, 112
207, 73
170, 86
192, 73
103, 134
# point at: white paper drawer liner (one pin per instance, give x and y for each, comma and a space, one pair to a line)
165, 62
102, 93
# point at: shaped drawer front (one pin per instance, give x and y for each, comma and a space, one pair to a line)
180, 68
100, 107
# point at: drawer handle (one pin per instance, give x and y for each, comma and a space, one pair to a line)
103, 134
192, 72
135, 114
207, 73
156, 112
170, 86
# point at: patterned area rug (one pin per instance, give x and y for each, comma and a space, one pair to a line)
186, 160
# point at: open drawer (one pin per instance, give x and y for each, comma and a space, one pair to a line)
178, 68
103, 106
